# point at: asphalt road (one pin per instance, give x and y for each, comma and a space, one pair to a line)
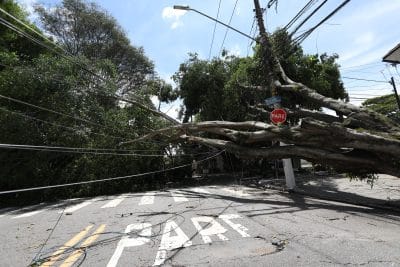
203, 226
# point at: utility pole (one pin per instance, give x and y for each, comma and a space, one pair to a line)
269, 64
395, 91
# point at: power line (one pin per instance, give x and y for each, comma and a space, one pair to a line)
361, 94
362, 65
299, 14
367, 80
56, 112
79, 130
33, 30
250, 40
60, 113
72, 59
75, 130
271, 2
299, 39
94, 151
106, 179
227, 29
308, 17
213, 35
360, 86
12, 27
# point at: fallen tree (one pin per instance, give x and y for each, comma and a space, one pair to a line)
357, 140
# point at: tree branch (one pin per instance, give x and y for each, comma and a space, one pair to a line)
341, 161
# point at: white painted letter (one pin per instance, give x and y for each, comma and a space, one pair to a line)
126, 241
214, 229
169, 242
236, 226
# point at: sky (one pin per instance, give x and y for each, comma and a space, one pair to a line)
361, 33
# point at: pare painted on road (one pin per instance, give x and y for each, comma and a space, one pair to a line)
173, 236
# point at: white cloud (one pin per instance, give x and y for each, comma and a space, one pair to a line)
361, 44
173, 15
374, 55
235, 50
373, 11
176, 24
365, 39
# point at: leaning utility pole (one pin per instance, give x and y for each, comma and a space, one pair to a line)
271, 64
395, 91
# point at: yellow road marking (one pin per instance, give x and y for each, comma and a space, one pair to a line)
77, 253
56, 255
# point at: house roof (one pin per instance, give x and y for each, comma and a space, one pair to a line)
393, 56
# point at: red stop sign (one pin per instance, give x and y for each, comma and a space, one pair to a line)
278, 116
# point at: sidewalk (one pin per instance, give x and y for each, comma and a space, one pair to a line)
385, 192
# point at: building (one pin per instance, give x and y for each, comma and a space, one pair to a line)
393, 56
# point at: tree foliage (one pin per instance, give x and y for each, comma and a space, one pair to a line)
357, 140
386, 105
94, 118
84, 29
12, 44
220, 89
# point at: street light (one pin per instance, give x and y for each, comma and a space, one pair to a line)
187, 8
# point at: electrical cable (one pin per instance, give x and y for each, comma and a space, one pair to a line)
68, 115
75, 130
307, 18
255, 32
33, 30
47, 239
95, 151
117, 97
113, 96
362, 65
56, 112
361, 94
367, 80
227, 29
395, 67
299, 14
105, 179
271, 2
174, 216
213, 35
59, 125
299, 39
72, 59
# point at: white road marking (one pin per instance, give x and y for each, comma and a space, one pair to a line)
215, 228
200, 190
126, 241
178, 197
147, 199
171, 241
28, 214
76, 207
239, 193
236, 226
113, 203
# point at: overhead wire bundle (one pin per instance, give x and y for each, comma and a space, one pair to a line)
300, 38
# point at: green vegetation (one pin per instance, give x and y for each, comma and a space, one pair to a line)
216, 89
80, 85
386, 105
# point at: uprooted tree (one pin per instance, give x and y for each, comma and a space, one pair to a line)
357, 140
